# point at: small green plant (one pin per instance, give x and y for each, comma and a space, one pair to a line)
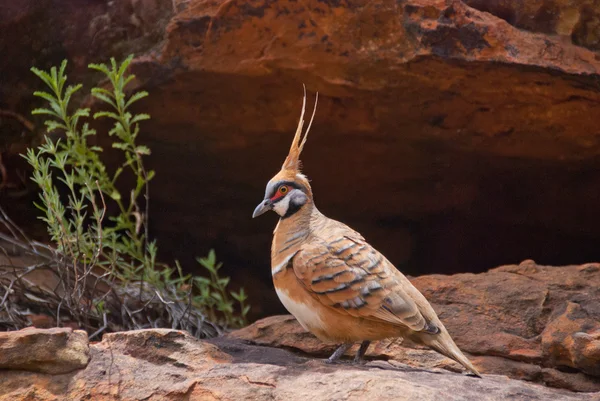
114, 252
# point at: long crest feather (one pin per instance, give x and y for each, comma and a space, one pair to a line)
292, 161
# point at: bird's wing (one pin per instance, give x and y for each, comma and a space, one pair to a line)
350, 276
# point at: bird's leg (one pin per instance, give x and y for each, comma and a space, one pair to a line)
339, 352
361, 351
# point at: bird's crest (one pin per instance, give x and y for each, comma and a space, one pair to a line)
292, 161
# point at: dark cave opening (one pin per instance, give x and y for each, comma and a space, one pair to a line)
467, 214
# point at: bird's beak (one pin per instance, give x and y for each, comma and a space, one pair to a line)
262, 208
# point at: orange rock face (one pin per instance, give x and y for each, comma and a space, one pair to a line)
577, 21
528, 322
546, 316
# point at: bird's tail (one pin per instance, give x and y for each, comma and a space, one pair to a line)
444, 344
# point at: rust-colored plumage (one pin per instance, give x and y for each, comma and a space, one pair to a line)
338, 286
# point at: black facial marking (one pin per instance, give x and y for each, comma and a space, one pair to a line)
292, 209
288, 183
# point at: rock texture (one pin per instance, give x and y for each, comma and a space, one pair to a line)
529, 322
163, 364
52, 351
455, 135
578, 21
41, 32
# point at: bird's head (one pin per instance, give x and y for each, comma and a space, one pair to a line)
289, 190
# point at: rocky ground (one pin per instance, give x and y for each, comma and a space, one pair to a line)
170, 365
531, 322
533, 331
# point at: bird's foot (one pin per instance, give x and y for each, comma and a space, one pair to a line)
341, 350
361, 351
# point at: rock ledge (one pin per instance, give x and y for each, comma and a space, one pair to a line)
171, 365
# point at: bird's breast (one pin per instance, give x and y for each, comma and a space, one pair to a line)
306, 314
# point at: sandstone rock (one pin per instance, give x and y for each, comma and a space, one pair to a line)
565, 342
527, 322
54, 351
168, 365
163, 346
577, 21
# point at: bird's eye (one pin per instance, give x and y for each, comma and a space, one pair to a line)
283, 189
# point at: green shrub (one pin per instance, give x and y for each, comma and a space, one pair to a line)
111, 276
